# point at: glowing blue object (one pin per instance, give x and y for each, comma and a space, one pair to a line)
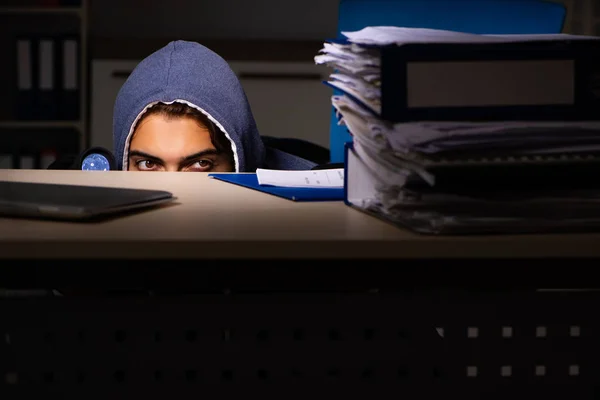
95, 162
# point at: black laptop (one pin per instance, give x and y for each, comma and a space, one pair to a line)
74, 202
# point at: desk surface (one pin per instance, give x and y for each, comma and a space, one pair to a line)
214, 219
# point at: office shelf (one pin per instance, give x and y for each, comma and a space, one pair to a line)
39, 124
41, 10
37, 135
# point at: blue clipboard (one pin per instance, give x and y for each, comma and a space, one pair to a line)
296, 194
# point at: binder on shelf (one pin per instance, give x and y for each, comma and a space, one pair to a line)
27, 78
5, 161
68, 77
70, 3
48, 78
27, 161
527, 80
48, 99
49, 3
59, 3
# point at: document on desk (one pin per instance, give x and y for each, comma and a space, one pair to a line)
325, 178
386, 35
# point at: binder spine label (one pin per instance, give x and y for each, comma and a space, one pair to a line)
70, 65
46, 65
24, 65
432, 82
490, 83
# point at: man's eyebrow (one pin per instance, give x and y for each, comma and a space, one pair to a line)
186, 159
199, 154
138, 153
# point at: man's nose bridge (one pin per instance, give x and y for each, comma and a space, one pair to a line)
171, 167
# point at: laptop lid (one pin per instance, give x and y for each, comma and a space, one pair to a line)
74, 202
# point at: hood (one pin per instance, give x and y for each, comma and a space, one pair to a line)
190, 73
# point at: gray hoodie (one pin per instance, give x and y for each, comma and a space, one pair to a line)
193, 74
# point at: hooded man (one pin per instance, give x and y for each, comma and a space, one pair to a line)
184, 109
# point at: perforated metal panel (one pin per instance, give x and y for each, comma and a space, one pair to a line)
412, 345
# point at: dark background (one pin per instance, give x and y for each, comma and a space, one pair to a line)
264, 37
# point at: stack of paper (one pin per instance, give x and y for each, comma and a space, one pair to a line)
431, 175
418, 145
357, 61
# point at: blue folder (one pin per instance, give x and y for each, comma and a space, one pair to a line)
296, 194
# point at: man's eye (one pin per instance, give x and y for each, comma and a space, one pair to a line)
145, 165
202, 164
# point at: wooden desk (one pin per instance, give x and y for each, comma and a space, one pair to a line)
285, 332
214, 219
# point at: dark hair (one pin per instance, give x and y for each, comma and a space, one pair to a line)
179, 110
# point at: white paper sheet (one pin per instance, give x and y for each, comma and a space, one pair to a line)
385, 35
324, 178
